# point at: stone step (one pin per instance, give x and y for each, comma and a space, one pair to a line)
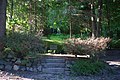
53, 61
54, 57
53, 65
53, 70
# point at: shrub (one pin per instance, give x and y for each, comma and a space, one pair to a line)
22, 44
87, 67
114, 44
89, 46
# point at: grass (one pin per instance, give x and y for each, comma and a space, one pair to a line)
57, 39
53, 41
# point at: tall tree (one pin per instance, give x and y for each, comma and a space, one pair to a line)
70, 21
96, 17
2, 21
35, 13
30, 15
99, 18
93, 19
108, 14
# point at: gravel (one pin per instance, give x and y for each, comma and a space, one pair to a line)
25, 75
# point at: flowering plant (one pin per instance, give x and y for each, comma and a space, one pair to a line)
89, 46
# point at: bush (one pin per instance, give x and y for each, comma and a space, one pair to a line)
89, 46
114, 44
87, 67
22, 44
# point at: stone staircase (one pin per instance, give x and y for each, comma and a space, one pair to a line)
53, 65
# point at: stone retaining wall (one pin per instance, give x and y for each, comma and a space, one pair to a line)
33, 65
18, 64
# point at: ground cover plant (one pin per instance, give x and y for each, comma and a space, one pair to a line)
88, 67
114, 44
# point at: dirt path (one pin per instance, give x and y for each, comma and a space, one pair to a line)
39, 76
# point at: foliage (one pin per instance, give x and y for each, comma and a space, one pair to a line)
114, 44
35, 14
57, 15
111, 14
89, 46
6, 52
87, 67
23, 44
32, 15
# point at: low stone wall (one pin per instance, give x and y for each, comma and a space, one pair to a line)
34, 65
18, 64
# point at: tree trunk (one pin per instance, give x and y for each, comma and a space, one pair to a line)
35, 13
43, 14
70, 21
108, 16
2, 18
99, 19
30, 16
93, 19
2, 21
11, 15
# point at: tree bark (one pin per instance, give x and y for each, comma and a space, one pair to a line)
35, 13
70, 21
93, 19
108, 16
2, 18
30, 16
99, 19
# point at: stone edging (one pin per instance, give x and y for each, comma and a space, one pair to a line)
34, 66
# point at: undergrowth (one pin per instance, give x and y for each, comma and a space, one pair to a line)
87, 67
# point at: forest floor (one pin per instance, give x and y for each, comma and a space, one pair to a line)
112, 57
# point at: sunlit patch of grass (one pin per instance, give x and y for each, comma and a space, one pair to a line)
54, 41
57, 40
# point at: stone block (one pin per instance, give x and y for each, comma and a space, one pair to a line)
18, 61
8, 67
1, 67
39, 68
16, 67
